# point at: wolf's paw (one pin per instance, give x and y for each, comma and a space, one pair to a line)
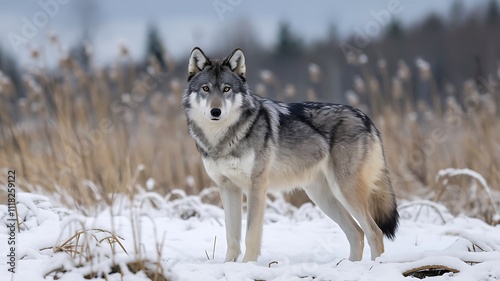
250, 256
232, 254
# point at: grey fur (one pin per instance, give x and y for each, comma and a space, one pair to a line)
332, 151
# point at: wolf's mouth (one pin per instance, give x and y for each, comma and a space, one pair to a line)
215, 119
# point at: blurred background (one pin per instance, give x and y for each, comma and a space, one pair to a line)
90, 90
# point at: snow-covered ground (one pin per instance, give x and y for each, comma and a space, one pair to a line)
298, 244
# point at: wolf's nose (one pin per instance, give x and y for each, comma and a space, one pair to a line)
215, 112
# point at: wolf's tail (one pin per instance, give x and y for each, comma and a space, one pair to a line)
383, 207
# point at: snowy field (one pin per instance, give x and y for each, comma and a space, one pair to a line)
180, 232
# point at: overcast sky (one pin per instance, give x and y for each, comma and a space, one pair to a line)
184, 24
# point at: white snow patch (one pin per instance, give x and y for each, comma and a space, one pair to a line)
298, 243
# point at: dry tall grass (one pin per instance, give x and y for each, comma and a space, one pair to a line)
86, 134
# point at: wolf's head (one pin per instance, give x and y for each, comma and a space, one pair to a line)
215, 87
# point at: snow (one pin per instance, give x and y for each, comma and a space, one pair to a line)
298, 243
452, 172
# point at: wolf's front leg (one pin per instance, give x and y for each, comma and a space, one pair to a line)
256, 198
231, 200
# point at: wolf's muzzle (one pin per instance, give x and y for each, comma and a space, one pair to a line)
215, 112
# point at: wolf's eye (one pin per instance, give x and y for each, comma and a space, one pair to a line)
226, 89
205, 88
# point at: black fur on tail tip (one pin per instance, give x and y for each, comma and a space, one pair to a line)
390, 225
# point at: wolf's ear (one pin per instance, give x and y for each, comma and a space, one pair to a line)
197, 61
236, 61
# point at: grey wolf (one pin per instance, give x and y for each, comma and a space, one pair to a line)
250, 144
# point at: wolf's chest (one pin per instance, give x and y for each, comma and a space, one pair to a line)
237, 169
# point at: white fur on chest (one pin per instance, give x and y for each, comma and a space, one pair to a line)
237, 169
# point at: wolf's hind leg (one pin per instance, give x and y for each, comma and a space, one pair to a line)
355, 166
323, 197
231, 200
355, 198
